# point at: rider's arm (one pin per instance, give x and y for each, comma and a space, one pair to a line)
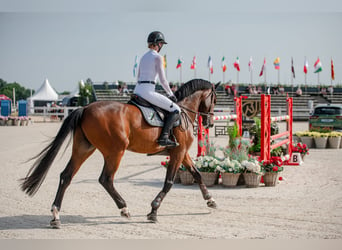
161, 74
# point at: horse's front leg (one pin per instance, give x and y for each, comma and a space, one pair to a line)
197, 176
170, 175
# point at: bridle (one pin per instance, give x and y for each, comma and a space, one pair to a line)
212, 94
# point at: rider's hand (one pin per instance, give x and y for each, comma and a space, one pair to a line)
173, 98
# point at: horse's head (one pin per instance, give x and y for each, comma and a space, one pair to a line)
207, 106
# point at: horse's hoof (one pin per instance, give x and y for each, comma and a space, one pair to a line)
211, 204
152, 217
55, 224
125, 214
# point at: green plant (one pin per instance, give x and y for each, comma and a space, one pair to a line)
233, 134
273, 165
277, 151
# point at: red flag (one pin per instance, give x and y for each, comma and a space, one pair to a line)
306, 66
193, 64
263, 68
332, 70
179, 63
224, 66
237, 64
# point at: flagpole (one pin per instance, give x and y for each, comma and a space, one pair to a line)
223, 74
180, 75
306, 87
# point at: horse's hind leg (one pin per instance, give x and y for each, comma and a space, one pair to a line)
187, 162
106, 179
82, 149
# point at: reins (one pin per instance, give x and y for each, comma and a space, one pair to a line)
197, 113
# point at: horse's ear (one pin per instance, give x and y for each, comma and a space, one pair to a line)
217, 85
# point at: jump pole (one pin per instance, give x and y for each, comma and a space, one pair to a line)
266, 119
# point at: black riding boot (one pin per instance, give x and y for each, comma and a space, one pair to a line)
164, 140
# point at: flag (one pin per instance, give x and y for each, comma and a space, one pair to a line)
263, 68
224, 66
277, 63
306, 66
332, 70
135, 66
292, 68
237, 64
250, 64
210, 65
179, 63
317, 66
164, 62
193, 64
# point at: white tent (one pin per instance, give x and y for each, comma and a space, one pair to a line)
44, 94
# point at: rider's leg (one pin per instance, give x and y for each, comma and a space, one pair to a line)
164, 140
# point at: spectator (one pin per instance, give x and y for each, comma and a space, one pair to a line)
227, 89
281, 90
299, 91
259, 90
125, 90
275, 90
323, 91
331, 90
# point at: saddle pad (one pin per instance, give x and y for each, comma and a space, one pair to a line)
151, 116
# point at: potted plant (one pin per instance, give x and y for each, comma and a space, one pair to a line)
320, 139
334, 139
252, 172
207, 165
306, 138
301, 148
230, 172
271, 170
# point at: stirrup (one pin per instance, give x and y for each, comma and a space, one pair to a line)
166, 142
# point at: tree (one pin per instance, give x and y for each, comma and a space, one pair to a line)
86, 93
21, 93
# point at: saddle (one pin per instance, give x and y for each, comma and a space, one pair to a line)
152, 114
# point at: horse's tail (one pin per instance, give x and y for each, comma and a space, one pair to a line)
36, 175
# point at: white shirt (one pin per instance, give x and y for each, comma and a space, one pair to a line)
151, 68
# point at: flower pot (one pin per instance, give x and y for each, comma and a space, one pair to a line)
209, 179
334, 142
186, 178
230, 179
252, 180
270, 179
321, 142
308, 140
2, 122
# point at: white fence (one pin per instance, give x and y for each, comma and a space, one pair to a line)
52, 113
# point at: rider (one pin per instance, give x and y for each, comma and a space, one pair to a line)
151, 67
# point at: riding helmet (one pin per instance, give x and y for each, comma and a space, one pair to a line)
156, 37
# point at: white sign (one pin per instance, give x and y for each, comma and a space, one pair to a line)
296, 159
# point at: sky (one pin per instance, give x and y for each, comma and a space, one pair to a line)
68, 41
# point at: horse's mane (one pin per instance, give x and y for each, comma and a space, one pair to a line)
191, 87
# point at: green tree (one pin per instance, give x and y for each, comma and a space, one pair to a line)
86, 93
21, 93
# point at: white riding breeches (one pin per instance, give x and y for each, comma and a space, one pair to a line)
147, 91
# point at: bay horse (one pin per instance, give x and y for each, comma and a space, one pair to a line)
113, 127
